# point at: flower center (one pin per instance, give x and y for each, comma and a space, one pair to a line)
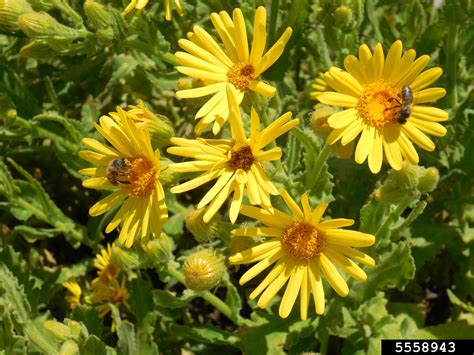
241, 74
302, 240
379, 104
141, 177
242, 159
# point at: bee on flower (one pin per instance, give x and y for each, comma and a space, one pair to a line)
385, 101
303, 250
232, 66
131, 169
236, 163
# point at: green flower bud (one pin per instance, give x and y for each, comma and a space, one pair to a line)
185, 84
343, 17
168, 176
428, 179
319, 119
203, 270
60, 331
69, 348
400, 184
43, 5
38, 50
40, 25
10, 10
98, 15
125, 259
160, 249
205, 232
105, 35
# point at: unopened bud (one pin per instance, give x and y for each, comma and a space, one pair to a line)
60, 331
40, 25
167, 175
43, 5
69, 348
160, 249
343, 17
125, 259
205, 232
10, 10
98, 15
319, 119
185, 84
105, 35
37, 50
428, 179
203, 270
198, 83
159, 126
400, 184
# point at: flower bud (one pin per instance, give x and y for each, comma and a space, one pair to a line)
167, 175
38, 50
125, 259
319, 119
40, 25
105, 35
428, 179
185, 84
60, 331
343, 17
43, 5
205, 232
98, 15
343, 151
69, 348
159, 126
160, 249
203, 270
10, 10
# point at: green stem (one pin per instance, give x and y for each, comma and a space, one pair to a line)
382, 231
313, 177
452, 63
69, 11
323, 342
35, 211
273, 20
208, 296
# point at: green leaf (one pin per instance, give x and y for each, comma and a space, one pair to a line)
393, 270
14, 294
164, 298
41, 338
207, 334
456, 301
450, 330
10, 341
88, 315
371, 216
143, 305
232, 298
93, 346
127, 343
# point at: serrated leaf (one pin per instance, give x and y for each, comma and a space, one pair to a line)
127, 344
164, 298
88, 315
93, 346
143, 304
393, 270
14, 293
10, 342
41, 338
207, 334
371, 216
232, 298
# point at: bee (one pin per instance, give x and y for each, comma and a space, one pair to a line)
117, 171
404, 111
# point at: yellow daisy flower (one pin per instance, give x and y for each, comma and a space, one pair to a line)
303, 249
235, 162
234, 65
74, 298
131, 168
139, 5
114, 292
106, 268
384, 100
319, 85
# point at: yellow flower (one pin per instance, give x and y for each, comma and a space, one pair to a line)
376, 93
236, 162
114, 292
319, 85
107, 270
139, 5
303, 249
234, 66
75, 297
131, 168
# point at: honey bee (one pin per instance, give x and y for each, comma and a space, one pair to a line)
404, 111
117, 171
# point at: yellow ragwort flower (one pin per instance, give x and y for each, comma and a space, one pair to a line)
132, 169
114, 292
107, 269
74, 298
234, 66
384, 100
139, 5
235, 162
303, 249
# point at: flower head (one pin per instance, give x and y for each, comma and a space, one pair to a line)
131, 168
231, 66
74, 298
384, 100
107, 268
303, 249
203, 270
139, 5
236, 162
